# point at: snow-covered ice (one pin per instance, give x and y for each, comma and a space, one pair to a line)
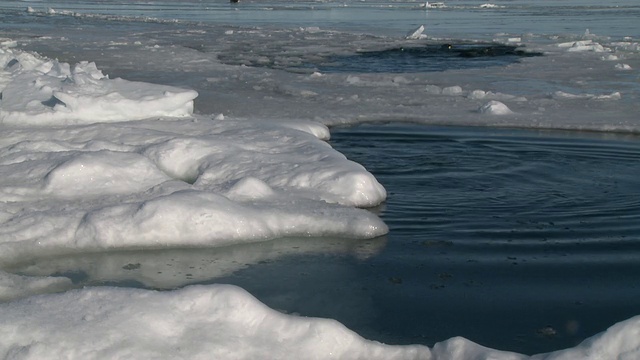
495, 107
224, 321
104, 178
218, 321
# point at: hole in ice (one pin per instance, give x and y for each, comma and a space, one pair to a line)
400, 59
76, 276
52, 102
431, 57
11, 64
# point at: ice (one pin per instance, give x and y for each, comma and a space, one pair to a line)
146, 183
452, 90
563, 95
416, 34
495, 107
38, 92
284, 67
198, 322
624, 67
225, 321
16, 286
116, 164
490, 6
114, 172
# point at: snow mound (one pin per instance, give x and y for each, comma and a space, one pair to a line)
565, 95
416, 33
41, 92
198, 322
494, 107
112, 172
17, 286
583, 45
224, 321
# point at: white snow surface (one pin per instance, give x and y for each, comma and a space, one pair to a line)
224, 321
37, 91
93, 183
197, 322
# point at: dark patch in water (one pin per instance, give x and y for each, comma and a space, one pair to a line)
433, 57
404, 59
135, 266
76, 276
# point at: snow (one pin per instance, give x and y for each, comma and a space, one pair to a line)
490, 6
16, 286
224, 321
495, 107
38, 91
128, 166
197, 322
416, 33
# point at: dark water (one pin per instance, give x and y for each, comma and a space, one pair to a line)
411, 58
517, 240
427, 57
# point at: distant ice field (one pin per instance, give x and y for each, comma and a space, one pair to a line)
459, 18
584, 80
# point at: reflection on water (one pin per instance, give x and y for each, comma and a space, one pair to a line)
173, 268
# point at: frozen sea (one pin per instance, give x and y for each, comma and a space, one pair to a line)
435, 178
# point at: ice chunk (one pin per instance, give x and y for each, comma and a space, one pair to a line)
433, 89
152, 183
111, 172
17, 286
477, 94
216, 321
620, 341
46, 92
416, 33
249, 188
623, 67
565, 95
490, 6
452, 90
219, 321
583, 45
494, 107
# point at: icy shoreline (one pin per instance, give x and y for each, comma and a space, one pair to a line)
95, 175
